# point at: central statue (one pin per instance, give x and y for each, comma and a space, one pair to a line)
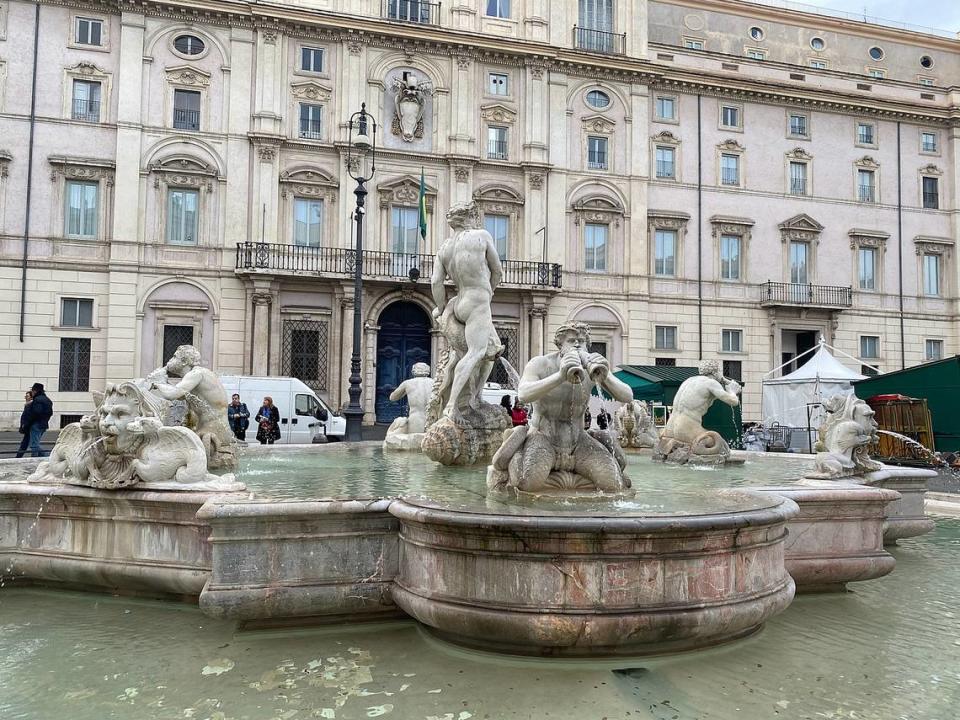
554, 453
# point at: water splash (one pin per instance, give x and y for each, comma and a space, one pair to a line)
917, 448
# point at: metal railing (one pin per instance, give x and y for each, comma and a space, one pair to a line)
86, 110
780, 293
599, 41
865, 193
254, 256
413, 11
931, 200
798, 186
665, 169
310, 129
729, 177
186, 119
597, 161
497, 149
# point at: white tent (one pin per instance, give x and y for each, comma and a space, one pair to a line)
785, 399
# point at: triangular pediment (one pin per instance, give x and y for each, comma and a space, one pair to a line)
188, 75
801, 222
498, 112
310, 90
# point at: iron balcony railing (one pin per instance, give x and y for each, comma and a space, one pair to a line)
600, 41
798, 187
664, 169
186, 119
597, 161
729, 177
497, 149
865, 193
413, 11
86, 110
254, 256
780, 293
931, 200
310, 129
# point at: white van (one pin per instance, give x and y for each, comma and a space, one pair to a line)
493, 393
302, 414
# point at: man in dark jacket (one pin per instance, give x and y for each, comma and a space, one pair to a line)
25, 424
239, 417
41, 410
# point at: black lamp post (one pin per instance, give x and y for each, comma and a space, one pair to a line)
361, 164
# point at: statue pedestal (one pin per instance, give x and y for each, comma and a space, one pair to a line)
708, 449
476, 440
403, 441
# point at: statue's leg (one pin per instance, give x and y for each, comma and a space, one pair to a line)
477, 333
536, 462
594, 462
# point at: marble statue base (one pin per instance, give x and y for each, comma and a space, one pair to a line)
475, 440
403, 441
708, 449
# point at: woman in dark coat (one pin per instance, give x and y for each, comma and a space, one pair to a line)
25, 425
268, 418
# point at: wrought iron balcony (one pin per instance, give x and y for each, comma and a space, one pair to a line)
86, 110
413, 11
275, 259
310, 129
665, 169
798, 186
497, 149
865, 193
804, 294
184, 119
599, 41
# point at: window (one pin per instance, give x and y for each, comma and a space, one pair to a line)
877, 74
799, 252
926, 61
756, 33
497, 84
865, 134
81, 220
498, 8
931, 275
499, 228
817, 43
598, 99
866, 189
733, 369
311, 59
798, 178
666, 108
730, 116
928, 142
76, 312
693, 44
876, 53
666, 165
798, 125
665, 337
406, 229
497, 143
731, 340
665, 253
595, 246
173, 337
598, 347
597, 153
88, 32
729, 169
188, 45
182, 216
931, 193
933, 349
870, 347
74, 365
311, 121
867, 263
86, 101
186, 109
307, 222
756, 54
730, 257
818, 64
926, 82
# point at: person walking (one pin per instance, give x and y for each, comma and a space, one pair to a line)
506, 404
268, 417
239, 417
25, 424
41, 410
518, 415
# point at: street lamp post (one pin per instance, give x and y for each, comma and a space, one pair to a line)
361, 164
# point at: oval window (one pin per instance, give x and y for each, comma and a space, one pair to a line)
756, 33
817, 43
598, 99
876, 53
926, 61
188, 45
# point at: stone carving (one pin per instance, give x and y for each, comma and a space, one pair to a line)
469, 429
554, 454
634, 426
844, 438
184, 75
409, 99
684, 439
126, 443
406, 433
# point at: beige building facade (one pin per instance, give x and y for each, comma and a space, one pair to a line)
694, 179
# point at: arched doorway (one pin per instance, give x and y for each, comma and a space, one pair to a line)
403, 339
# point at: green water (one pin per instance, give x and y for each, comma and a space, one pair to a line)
889, 650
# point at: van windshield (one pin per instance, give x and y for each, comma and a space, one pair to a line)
306, 405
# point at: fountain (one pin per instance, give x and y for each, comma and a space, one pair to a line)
406, 433
634, 426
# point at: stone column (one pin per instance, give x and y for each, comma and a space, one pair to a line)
538, 314
262, 302
369, 371
346, 342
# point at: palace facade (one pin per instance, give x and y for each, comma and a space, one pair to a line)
693, 178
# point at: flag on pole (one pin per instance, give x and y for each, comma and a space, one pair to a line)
423, 206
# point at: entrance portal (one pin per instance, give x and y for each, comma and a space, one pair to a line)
403, 339
794, 343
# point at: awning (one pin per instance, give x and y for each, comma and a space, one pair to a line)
642, 388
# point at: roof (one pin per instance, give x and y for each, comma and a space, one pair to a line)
822, 366
660, 373
912, 370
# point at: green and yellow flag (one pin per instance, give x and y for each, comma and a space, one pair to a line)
423, 206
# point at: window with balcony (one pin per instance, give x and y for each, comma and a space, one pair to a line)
307, 222
931, 275
730, 117
594, 30
730, 246
182, 205
595, 246
311, 59
665, 337
731, 340
498, 8
798, 125
499, 228
928, 142
88, 31
866, 186
666, 108
413, 11
497, 143
865, 134
666, 163
597, 153
74, 365
665, 253
311, 121
405, 230
82, 201
867, 265
497, 84
799, 262
186, 110
798, 178
931, 193
729, 169
76, 312
86, 101
933, 350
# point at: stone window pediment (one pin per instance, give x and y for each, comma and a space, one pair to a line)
89, 70
930, 169
598, 124
405, 191
802, 228
798, 153
498, 113
308, 182
498, 199
927, 245
189, 76
597, 209
665, 137
867, 163
731, 145
78, 168
667, 219
861, 238
312, 91
183, 171
729, 225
